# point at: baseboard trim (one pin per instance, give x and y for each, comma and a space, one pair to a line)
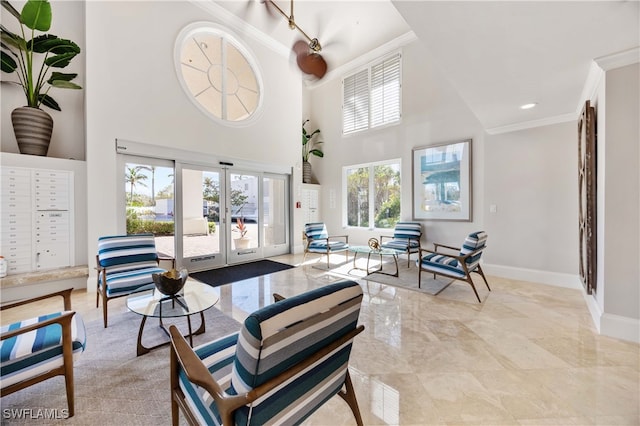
557, 279
620, 327
615, 326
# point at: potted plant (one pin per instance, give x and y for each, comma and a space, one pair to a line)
33, 126
310, 146
241, 228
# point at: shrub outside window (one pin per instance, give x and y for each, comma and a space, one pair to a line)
372, 194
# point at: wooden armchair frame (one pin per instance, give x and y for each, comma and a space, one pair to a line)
462, 260
66, 369
197, 373
408, 250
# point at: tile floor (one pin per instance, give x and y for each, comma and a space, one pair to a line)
528, 355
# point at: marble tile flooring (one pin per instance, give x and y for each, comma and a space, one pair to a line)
528, 355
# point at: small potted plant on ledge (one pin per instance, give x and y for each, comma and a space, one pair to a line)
310, 146
241, 228
31, 125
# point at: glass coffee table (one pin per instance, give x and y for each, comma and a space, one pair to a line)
195, 298
376, 252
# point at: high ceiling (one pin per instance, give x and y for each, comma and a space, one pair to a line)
498, 55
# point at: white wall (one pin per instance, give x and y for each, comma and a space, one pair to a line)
133, 93
618, 290
432, 113
531, 177
68, 138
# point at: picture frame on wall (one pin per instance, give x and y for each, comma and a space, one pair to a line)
441, 179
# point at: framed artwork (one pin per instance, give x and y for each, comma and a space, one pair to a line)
442, 181
587, 196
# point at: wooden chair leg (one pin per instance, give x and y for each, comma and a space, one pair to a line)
349, 395
470, 281
419, 275
481, 272
67, 360
104, 309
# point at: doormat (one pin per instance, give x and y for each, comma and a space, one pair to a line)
230, 274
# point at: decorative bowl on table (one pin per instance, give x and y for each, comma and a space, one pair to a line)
171, 282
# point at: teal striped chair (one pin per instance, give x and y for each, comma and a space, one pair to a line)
288, 359
406, 238
125, 265
40, 348
457, 266
319, 241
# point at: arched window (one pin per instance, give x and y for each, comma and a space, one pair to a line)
218, 73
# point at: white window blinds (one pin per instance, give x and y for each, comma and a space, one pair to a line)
355, 107
372, 97
385, 92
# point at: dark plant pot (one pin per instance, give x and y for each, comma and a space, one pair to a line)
306, 172
33, 128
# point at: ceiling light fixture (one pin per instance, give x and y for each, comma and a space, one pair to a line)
307, 56
528, 106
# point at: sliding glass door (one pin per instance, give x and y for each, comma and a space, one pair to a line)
206, 217
202, 245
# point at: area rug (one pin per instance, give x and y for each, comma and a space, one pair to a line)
231, 274
407, 276
113, 386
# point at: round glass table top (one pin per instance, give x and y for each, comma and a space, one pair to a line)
369, 250
194, 298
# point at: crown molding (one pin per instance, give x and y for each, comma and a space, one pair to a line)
563, 118
362, 61
620, 59
598, 67
241, 26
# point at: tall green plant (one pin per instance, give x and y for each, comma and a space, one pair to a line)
18, 54
309, 144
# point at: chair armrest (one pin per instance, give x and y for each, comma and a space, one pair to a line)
278, 297
168, 259
198, 373
436, 245
385, 236
66, 296
64, 320
346, 237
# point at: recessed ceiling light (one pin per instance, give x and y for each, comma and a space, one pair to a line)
528, 106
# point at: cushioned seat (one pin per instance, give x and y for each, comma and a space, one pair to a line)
406, 238
125, 265
288, 359
457, 266
319, 241
39, 348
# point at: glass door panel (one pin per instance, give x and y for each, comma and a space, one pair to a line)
275, 214
149, 200
244, 208
202, 244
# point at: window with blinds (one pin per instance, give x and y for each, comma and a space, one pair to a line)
372, 96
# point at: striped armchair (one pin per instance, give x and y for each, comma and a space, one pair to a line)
458, 267
125, 264
319, 241
38, 349
406, 238
286, 361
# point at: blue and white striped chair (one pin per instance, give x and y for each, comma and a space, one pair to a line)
40, 348
288, 359
406, 238
319, 241
126, 264
458, 267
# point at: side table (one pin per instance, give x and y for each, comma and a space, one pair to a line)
194, 298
